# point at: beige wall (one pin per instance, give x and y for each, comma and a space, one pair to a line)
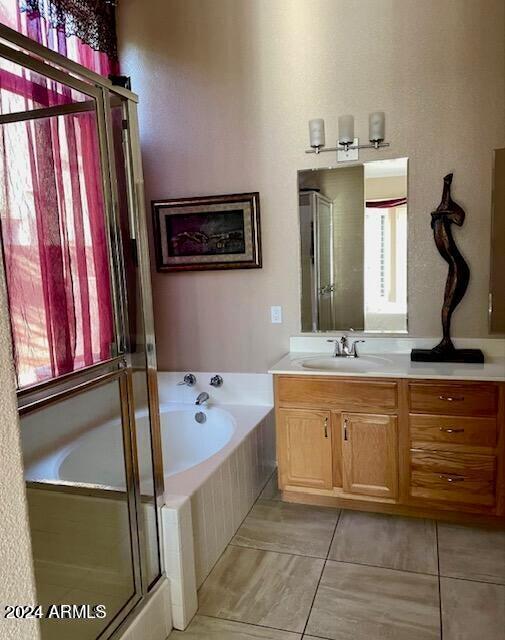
386, 187
227, 88
16, 574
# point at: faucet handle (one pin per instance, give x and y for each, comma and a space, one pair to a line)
354, 350
189, 380
337, 350
216, 381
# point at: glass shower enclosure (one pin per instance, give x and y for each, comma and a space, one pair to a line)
76, 262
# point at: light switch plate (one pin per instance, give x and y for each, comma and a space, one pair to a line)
276, 315
348, 156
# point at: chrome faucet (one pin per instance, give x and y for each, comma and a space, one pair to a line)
345, 350
202, 397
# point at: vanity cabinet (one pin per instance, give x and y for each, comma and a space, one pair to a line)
370, 455
396, 445
305, 446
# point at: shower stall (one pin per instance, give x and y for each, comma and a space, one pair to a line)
76, 264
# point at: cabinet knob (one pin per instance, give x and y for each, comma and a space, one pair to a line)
451, 430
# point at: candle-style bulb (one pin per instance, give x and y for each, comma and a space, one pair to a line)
316, 132
377, 126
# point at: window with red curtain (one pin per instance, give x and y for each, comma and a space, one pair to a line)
52, 210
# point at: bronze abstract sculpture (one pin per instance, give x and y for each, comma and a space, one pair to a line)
446, 214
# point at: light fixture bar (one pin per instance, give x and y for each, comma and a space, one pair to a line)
343, 147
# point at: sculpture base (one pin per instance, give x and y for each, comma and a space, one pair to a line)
474, 356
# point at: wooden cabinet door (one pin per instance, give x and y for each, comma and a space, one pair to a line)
305, 452
370, 455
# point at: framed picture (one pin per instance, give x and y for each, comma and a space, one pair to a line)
211, 232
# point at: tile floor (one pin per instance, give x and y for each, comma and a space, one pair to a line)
294, 571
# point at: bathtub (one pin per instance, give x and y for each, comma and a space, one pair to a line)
192, 451
213, 471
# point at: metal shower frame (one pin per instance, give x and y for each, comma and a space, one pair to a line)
102, 93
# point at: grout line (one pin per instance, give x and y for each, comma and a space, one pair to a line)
282, 553
496, 584
250, 624
439, 586
334, 532
314, 599
381, 566
321, 574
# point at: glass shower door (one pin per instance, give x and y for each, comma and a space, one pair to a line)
81, 318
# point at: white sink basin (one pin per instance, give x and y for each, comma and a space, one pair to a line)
363, 364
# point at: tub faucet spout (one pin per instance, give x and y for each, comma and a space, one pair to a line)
202, 397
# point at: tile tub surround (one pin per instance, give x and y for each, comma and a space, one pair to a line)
205, 504
246, 596
154, 620
237, 389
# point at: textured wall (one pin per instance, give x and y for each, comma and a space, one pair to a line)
16, 575
227, 88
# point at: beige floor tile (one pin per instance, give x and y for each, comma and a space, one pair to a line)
290, 528
261, 587
271, 490
472, 610
356, 602
472, 553
203, 628
406, 544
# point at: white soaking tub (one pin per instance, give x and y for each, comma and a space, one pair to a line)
213, 471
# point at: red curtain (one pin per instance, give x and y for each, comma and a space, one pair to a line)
385, 204
53, 215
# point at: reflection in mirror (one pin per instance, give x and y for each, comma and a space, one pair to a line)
353, 239
496, 290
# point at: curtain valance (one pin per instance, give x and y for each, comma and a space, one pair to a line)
92, 21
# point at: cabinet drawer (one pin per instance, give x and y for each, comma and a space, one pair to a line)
477, 432
453, 399
337, 394
453, 477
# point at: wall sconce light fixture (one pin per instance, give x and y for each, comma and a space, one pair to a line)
346, 140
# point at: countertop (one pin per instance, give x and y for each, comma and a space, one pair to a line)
394, 365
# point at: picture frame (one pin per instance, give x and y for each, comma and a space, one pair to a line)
207, 232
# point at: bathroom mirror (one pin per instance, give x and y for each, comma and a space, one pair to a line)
496, 290
353, 242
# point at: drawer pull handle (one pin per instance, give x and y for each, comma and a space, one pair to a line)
451, 430
345, 429
451, 478
326, 427
452, 398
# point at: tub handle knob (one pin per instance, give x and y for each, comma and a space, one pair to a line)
216, 381
189, 380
